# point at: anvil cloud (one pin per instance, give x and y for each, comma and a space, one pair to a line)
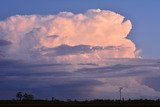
96, 34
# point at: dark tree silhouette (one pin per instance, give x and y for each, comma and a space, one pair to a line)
24, 96
53, 98
27, 96
19, 95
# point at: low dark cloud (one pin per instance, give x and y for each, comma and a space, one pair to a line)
79, 49
4, 42
63, 81
153, 82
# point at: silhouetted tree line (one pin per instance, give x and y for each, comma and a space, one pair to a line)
24, 96
29, 97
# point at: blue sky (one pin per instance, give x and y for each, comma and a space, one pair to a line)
144, 15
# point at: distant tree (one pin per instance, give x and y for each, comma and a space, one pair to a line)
27, 96
69, 100
53, 98
19, 95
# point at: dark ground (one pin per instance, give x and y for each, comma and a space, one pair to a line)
92, 103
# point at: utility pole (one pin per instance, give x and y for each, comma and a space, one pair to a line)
120, 93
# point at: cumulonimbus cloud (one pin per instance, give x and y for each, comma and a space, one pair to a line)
104, 32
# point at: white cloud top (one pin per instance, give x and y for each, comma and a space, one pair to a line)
35, 35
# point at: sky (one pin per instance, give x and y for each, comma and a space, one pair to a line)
80, 50
143, 14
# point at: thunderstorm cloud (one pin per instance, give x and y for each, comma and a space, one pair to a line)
79, 56
96, 34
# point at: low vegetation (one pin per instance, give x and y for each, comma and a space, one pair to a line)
27, 100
